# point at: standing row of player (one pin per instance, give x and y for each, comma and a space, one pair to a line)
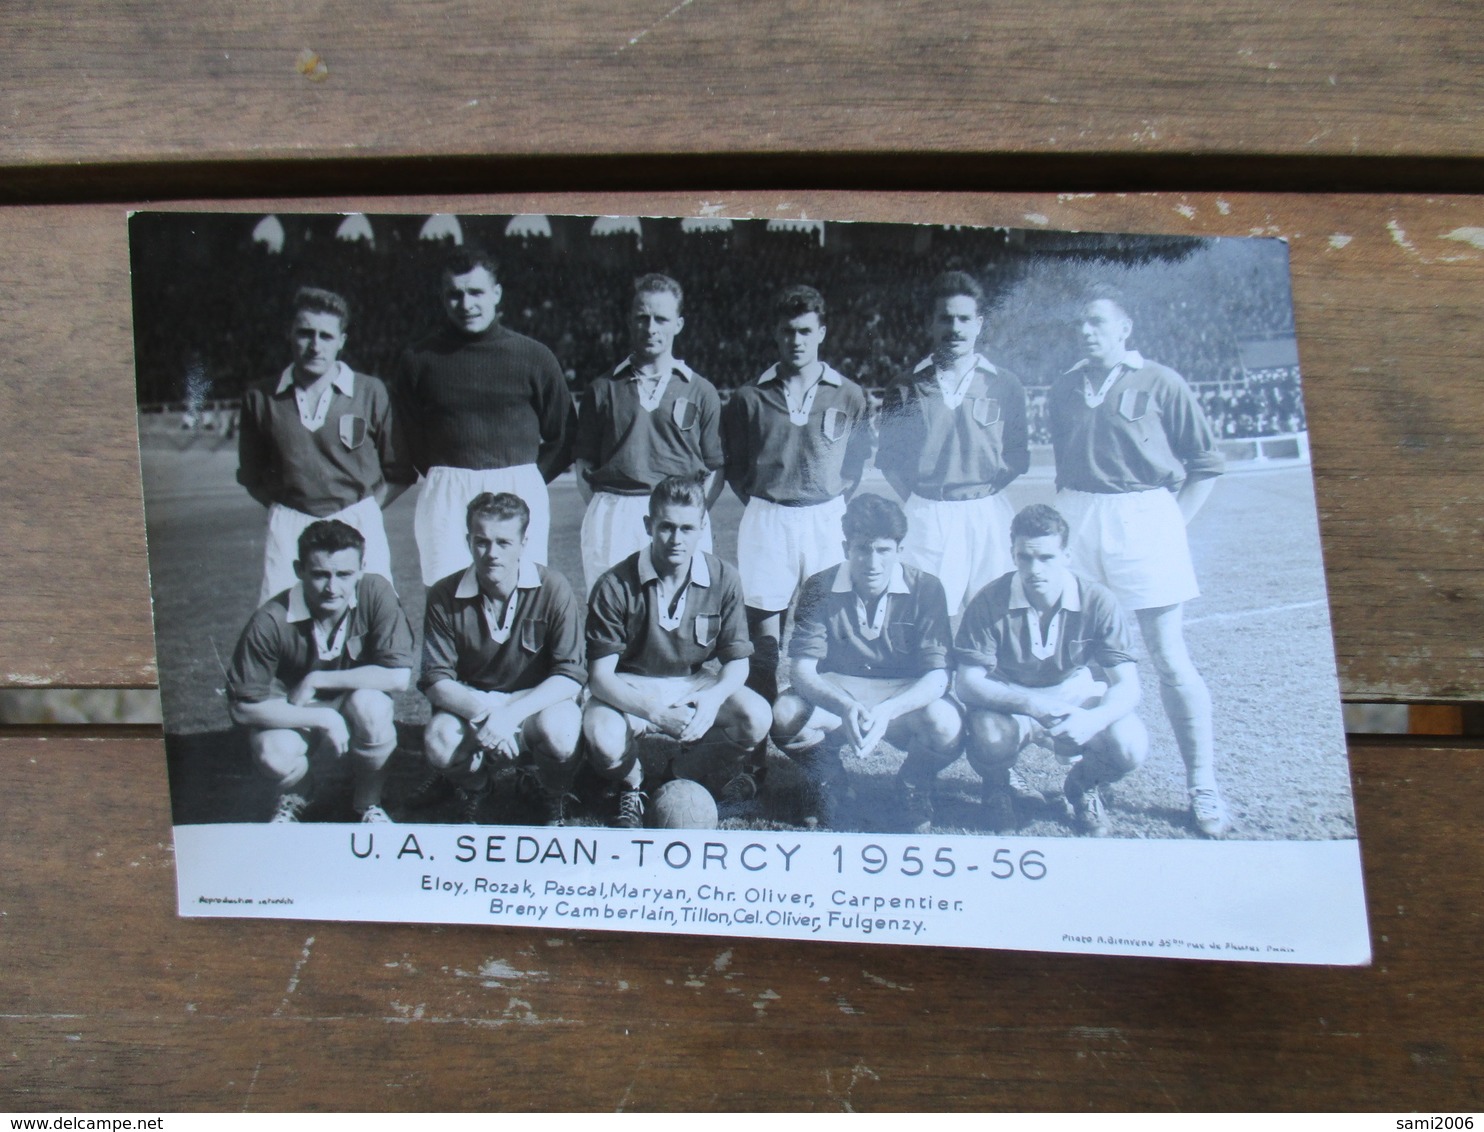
479, 409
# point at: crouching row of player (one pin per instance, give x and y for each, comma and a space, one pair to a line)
505, 663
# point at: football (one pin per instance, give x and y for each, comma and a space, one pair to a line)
683, 804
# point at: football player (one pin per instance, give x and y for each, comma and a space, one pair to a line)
869, 661
796, 442
315, 670
651, 418
502, 664
1136, 459
319, 442
1025, 653
953, 437
653, 621
486, 409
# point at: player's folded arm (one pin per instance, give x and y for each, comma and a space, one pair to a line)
447, 694
816, 687
1124, 691
979, 689
368, 677
609, 688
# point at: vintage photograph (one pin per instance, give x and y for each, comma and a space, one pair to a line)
757, 525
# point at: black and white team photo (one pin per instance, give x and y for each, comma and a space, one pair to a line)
636, 523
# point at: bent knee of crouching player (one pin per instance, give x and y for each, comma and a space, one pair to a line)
281, 755
993, 740
608, 737
443, 740
369, 715
552, 734
1123, 745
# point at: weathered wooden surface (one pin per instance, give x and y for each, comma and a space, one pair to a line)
203, 80
111, 1003
1386, 289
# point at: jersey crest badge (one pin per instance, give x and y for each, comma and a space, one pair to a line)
986, 411
1133, 404
708, 625
352, 431
532, 634
684, 413
834, 423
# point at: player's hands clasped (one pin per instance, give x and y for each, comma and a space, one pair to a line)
498, 734
1077, 726
673, 719
703, 718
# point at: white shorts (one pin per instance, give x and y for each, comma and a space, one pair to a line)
965, 544
1134, 543
613, 529
660, 691
285, 525
440, 522
779, 547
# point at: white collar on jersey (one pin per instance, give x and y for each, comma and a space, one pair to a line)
342, 377
829, 376
676, 367
980, 363
299, 605
700, 573
1071, 594
1132, 359
528, 578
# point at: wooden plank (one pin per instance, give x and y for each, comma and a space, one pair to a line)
112, 1003
1386, 291
214, 81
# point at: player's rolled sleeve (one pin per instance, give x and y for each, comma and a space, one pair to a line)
733, 641
978, 637
252, 677
440, 645
389, 630
607, 620
1191, 437
933, 625
811, 633
1108, 628
558, 416
564, 632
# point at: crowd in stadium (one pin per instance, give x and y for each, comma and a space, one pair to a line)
200, 344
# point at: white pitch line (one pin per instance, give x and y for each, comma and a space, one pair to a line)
1237, 616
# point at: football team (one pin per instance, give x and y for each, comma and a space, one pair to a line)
667, 644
